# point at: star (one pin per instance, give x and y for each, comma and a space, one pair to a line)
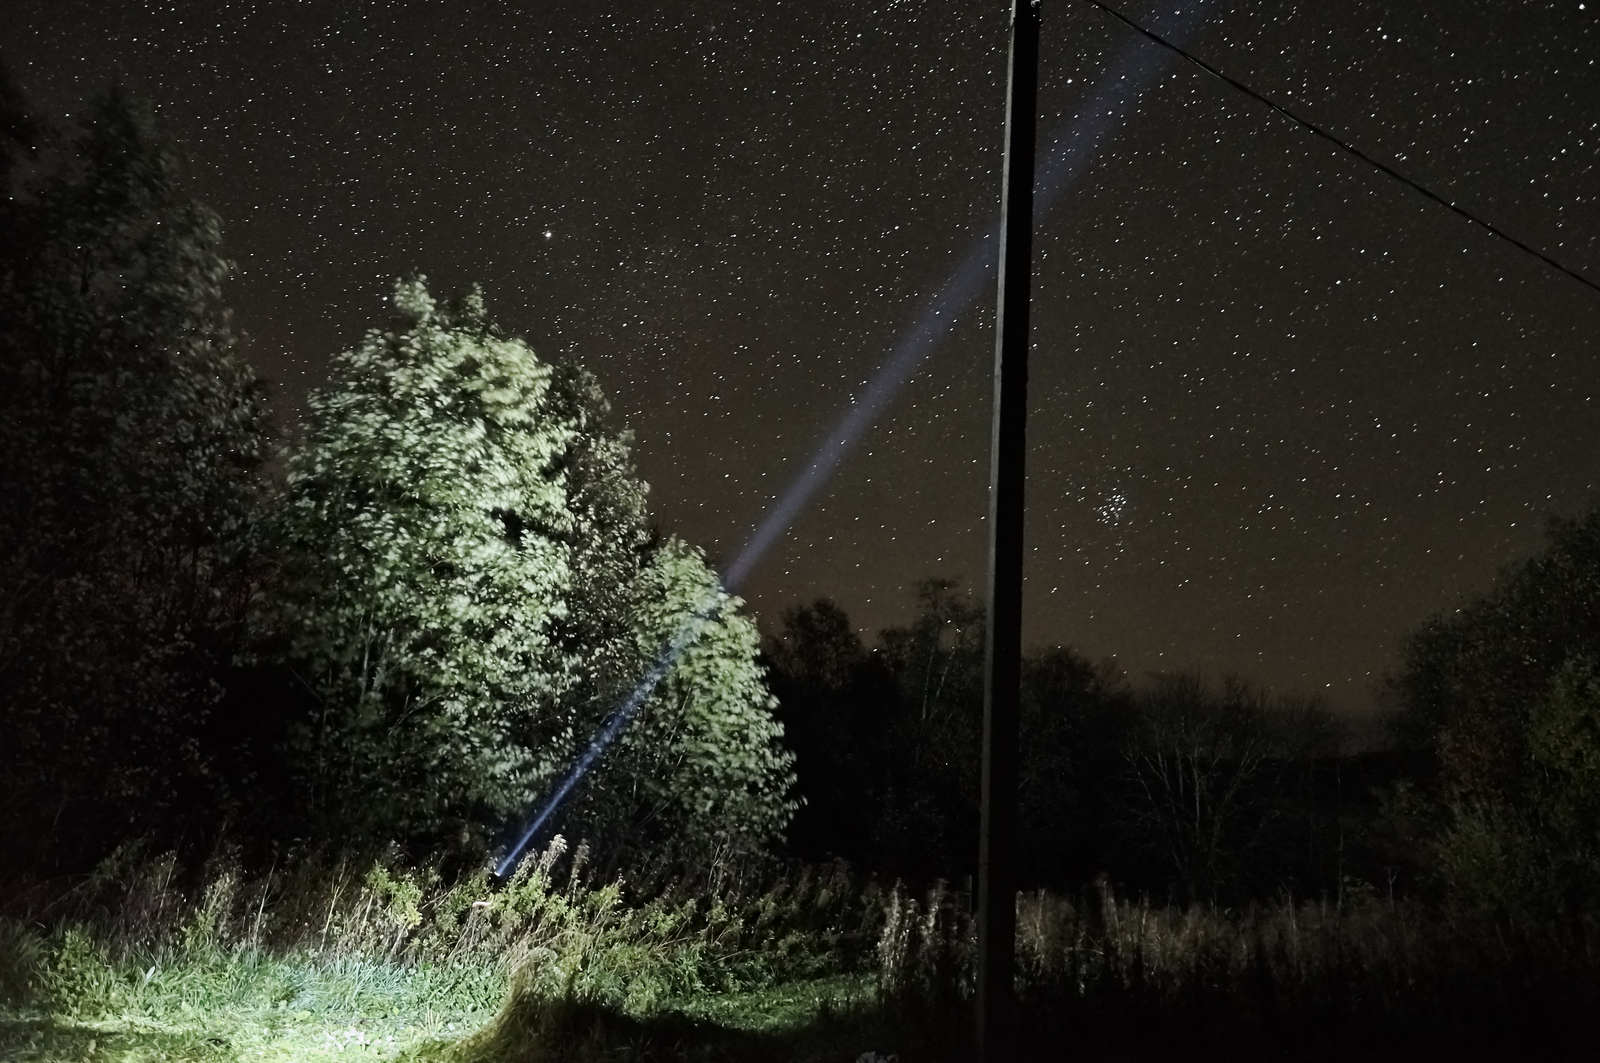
1293, 381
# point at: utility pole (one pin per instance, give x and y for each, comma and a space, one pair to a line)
1002, 661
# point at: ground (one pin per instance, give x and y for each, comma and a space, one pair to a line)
820, 1019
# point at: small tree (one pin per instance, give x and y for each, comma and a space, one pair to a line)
1075, 718
935, 729
1196, 761
1500, 691
423, 570
836, 701
1470, 678
1535, 853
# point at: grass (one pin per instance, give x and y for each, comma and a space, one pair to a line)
378, 961
319, 961
82, 994
1376, 977
226, 1006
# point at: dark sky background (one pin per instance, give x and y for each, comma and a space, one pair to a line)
1282, 407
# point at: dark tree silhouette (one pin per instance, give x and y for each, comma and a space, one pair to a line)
131, 438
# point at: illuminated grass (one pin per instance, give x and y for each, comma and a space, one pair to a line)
236, 1006
330, 962
246, 1007
210, 1003
244, 1020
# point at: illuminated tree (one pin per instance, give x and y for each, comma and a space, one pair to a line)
702, 769
423, 567
465, 585
131, 435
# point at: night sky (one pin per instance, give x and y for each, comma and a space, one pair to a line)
1282, 406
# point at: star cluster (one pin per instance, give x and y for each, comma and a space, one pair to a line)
1282, 407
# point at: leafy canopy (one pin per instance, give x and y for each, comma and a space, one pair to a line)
467, 587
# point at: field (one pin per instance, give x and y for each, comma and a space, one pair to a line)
334, 960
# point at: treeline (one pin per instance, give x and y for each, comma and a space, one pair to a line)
404, 630
1488, 798
1178, 789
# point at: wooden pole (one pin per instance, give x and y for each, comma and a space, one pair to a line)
997, 875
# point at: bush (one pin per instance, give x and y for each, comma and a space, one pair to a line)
1536, 856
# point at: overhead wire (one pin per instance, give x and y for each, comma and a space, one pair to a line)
1348, 148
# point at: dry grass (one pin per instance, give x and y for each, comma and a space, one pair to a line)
306, 961
1120, 978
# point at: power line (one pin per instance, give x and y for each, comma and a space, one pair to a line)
1348, 148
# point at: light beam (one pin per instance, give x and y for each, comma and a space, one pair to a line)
1071, 145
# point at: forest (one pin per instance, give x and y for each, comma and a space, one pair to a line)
276, 698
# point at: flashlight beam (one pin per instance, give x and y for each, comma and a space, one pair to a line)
1072, 144
613, 726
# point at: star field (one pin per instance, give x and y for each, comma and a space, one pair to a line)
1282, 407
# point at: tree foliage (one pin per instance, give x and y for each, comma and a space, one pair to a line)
467, 588
937, 665
888, 738
1503, 692
835, 700
1470, 678
131, 436
1076, 719
453, 587
702, 767
1175, 787
1536, 854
